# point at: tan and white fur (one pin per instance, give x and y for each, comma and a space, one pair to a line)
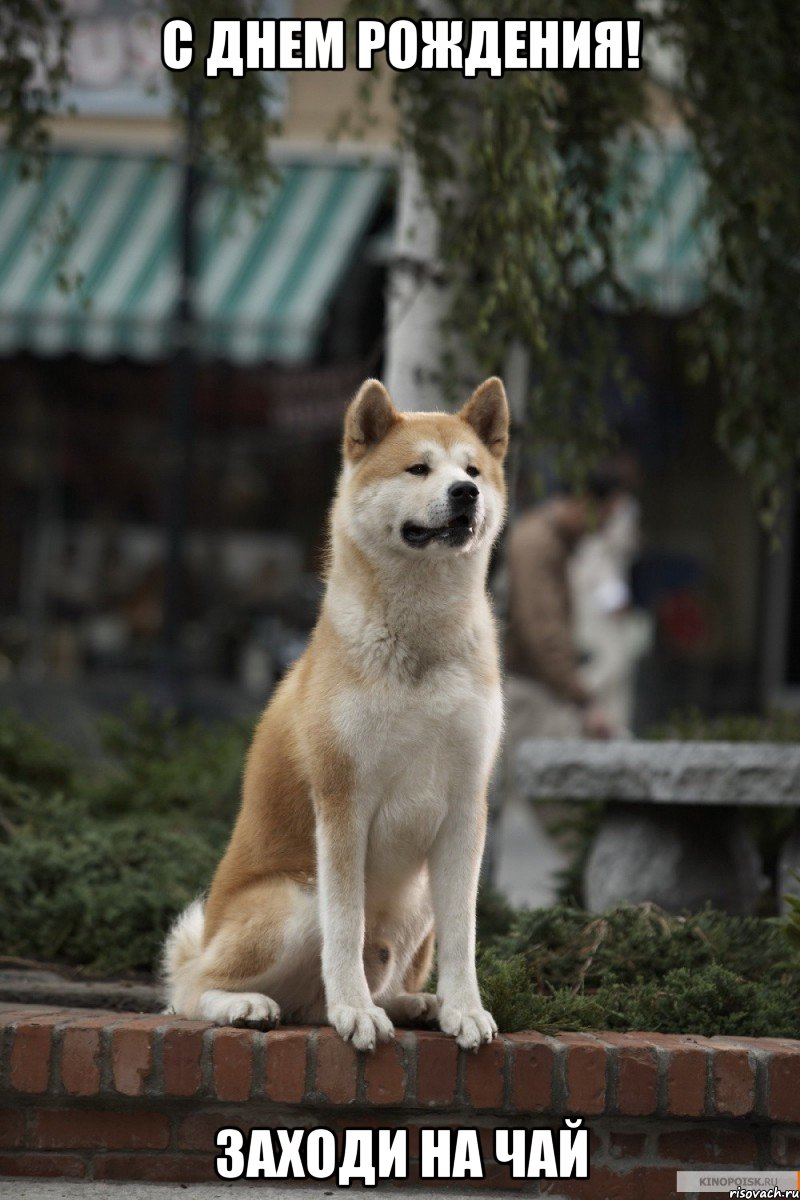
363, 814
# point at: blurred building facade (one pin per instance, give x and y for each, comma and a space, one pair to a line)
291, 312
289, 307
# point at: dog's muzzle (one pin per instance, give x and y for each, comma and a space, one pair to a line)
462, 498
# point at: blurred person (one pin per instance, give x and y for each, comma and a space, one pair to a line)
611, 634
547, 695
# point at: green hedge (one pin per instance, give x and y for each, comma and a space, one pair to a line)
637, 968
96, 859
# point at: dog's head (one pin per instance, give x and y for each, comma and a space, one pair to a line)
427, 484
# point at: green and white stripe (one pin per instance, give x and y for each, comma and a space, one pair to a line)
107, 227
663, 244
267, 276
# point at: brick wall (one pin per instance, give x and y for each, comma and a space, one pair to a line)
118, 1096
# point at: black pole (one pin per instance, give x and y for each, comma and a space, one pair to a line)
182, 383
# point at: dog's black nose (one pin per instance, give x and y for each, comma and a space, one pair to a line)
462, 494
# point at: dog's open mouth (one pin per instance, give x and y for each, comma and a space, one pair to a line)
456, 532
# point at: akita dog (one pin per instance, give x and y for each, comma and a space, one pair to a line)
363, 814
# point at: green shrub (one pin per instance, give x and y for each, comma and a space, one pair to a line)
792, 923
95, 863
637, 968
710, 1002
160, 765
567, 947
30, 756
100, 894
691, 725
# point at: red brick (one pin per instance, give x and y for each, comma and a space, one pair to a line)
11, 1013
622, 1145
232, 1063
132, 1058
771, 1044
643, 1183
734, 1083
687, 1072
285, 1080
345, 1121
90, 1019
585, 1074
485, 1133
197, 1130
80, 1061
78, 1129
496, 1177
337, 1065
531, 1073
658, 1183
182, 1050
385, 1073
483, 1075
606, 1183
12, 1128
413, 1141
437, 1061
637, 1074
596, 1143
31, 1054
725, 1042
160, 1168
710, 1146
784, 1085
485, 1137
785, 1149
42, 1166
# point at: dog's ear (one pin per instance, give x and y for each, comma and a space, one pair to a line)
369, 418
487, 412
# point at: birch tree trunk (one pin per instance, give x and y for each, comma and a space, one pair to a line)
417, 300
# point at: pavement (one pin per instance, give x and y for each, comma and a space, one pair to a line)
23, 982
64, 1189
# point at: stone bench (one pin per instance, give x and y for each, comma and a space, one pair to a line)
672, 832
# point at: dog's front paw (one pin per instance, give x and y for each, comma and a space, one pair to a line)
469, 1026
361, 1026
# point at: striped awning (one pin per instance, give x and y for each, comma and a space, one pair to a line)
89, 257
663, 245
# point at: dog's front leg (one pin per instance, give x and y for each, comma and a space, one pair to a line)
454, 866
341, 857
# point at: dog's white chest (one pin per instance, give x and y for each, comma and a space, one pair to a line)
392, 731
415, 751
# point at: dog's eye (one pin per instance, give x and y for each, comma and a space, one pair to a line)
472, 471
419, 469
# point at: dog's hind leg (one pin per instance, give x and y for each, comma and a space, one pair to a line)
262, 958
239, 1008
419, 968
411, 1004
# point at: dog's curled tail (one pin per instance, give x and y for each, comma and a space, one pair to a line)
182, 950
